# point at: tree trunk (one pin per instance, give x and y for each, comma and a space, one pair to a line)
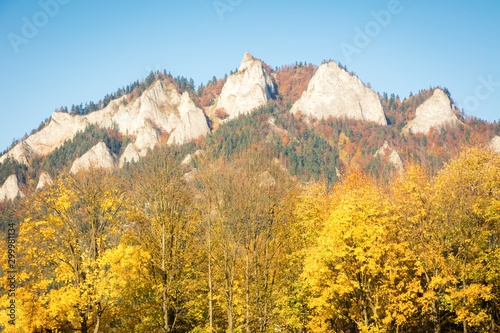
97, 324
229, 272
84, 327
230, 312
247, 293
464, 285
210, 292
164, 282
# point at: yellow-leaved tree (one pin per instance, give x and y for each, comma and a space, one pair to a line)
63, 256
359, 277
466, 205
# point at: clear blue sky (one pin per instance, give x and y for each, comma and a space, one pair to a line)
86, 49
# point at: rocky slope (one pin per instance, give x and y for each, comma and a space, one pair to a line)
10, 189
44, 180
391, 155
189, 158
437, 112
159, 107
61, 127
98, 156
130, 155
193, 122
495, 144
249, 88
334, 92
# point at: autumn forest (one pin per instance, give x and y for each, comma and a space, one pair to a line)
273, 222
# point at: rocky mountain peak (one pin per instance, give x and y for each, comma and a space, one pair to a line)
130, 155
98, 156
20, 153
334, 92
247, 62
437, 111
159, 106
248, 89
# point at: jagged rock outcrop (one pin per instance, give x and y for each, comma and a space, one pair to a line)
247, 89
157, 106
189, 158
98, 156
61, 127
44, 180
266, 180
334, 92
189, 177
437, 111
280, 131
146, 139
160, 107
391, 155
10, 189
193, 123
495, 144
130, 155
20, 153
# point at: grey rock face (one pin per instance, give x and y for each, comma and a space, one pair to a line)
45, 180
193, 122
334, 92
158, 107
495, 144
249, 88
10, 189
437, 111
98, 156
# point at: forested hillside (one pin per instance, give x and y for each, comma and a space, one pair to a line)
271, 222
245, 245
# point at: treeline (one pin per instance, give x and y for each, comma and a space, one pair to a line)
293, 80
243, 246
309, 148
306, 153
131, 91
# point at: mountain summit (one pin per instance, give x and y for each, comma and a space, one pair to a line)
159, 107
437, 111
334, 92
245, 90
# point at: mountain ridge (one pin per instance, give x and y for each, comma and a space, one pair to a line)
164, 113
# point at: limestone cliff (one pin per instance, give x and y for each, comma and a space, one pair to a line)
98, 156
334, 92
495, 144
44, 180
193, 123
437, 111
159, 107
130, 154
10, 189
61, 127
247, 89
391, 155
20, 153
